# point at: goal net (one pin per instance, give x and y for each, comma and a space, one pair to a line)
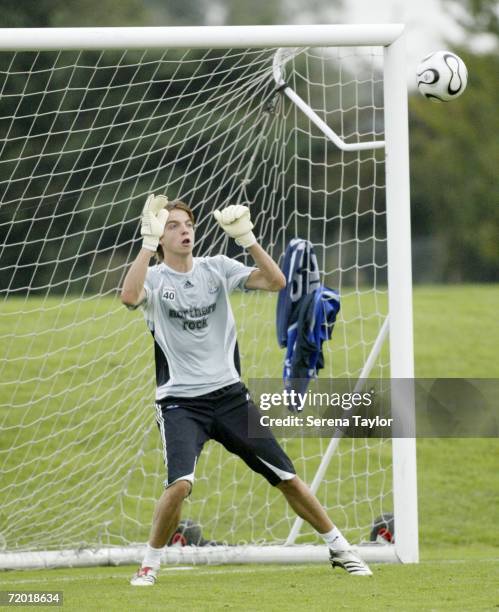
85, 136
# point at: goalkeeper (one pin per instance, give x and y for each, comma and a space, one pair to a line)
199, 396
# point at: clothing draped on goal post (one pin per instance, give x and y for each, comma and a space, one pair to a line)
306, 313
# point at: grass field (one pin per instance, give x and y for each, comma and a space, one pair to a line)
456, 335
464, 584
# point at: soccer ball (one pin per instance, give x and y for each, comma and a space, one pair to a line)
442, 76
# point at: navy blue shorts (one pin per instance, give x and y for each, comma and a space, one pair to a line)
185, 424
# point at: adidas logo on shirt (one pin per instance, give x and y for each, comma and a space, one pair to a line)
188, 284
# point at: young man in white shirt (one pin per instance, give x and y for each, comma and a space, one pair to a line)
199, 394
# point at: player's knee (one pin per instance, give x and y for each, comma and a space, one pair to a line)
180, 489
289, 485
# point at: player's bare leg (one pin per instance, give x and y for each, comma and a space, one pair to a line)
307, 506
167, 513
165, 520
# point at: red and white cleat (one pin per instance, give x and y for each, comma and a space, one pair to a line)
145, 576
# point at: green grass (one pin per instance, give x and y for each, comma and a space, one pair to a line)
456, 332
461, 584
456, 335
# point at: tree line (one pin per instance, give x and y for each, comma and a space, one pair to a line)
453, 148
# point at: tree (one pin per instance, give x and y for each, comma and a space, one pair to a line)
59, 13
273, 12
477, 16
454, 161
454, 156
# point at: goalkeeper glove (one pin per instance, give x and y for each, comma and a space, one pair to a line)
235, 221
154, 218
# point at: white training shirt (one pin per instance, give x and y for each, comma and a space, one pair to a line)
191, 320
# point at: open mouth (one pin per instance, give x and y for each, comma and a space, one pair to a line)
186, 242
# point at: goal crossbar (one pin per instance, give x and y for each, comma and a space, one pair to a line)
214, 37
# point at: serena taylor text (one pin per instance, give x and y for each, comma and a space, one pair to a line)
312, 421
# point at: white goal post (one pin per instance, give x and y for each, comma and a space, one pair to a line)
84, 144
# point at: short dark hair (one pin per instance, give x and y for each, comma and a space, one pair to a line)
175, 205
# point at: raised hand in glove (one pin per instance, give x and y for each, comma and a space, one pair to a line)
236, 222
154, 218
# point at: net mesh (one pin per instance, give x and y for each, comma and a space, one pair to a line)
85, 136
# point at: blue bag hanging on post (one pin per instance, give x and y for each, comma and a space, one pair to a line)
306, 313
